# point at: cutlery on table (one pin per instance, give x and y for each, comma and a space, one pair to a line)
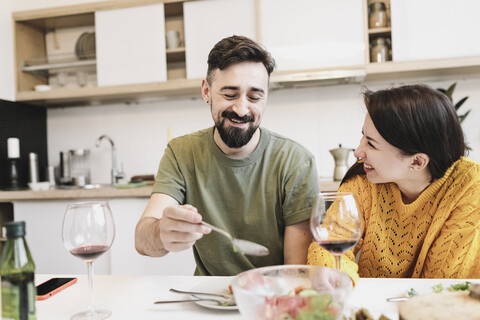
397, 299
220, 295
225, 302
244, 246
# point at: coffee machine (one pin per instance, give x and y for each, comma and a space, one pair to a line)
75, 167
340, 156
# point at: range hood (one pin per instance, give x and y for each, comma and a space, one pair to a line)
316, 78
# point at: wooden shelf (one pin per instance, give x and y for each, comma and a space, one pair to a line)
422, 68
176, 55
112, 94
380, 30
60, 65
31, 27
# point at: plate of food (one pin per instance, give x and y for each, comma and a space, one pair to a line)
218, 286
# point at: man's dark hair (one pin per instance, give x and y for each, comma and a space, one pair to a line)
237, 49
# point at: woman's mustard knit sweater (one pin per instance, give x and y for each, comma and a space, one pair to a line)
436, 236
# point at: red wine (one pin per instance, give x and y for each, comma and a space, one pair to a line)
337, 247
89, 253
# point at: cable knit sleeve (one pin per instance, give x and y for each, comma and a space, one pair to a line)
455, 251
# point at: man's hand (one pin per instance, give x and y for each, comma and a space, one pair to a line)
180, 227
166, 226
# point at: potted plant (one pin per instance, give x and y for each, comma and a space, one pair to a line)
449, 92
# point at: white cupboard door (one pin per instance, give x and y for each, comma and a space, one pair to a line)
434, 29
209, 21
312, 34
130, 45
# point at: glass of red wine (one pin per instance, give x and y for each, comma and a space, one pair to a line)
87, 232
336, 223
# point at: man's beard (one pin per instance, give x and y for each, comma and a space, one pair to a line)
232, 136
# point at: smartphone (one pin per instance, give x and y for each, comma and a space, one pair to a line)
50, 287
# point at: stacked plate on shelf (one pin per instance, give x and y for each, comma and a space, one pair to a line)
85, 46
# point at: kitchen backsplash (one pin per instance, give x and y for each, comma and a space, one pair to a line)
29, 124
318, 118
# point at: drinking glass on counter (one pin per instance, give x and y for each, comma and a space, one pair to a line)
336, 223
88, 231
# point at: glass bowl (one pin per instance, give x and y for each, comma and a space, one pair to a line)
292, 292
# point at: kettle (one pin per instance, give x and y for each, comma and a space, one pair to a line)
341, 157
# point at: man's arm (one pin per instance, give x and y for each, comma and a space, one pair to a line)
166, 226
296, 241
147, 232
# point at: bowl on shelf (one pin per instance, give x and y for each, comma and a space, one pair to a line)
292, 292
42, 87
39, 186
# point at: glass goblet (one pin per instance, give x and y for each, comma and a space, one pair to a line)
336, 223
88, 231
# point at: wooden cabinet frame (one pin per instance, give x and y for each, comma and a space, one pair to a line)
29, 36
30, 28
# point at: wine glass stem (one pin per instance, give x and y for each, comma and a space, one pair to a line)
338, 261
90, 286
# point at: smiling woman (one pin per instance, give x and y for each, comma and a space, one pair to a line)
419, 195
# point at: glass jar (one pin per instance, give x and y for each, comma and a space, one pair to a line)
380, 50
377, 17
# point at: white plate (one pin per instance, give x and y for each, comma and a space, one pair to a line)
213, 285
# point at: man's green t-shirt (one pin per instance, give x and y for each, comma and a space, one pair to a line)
253, 198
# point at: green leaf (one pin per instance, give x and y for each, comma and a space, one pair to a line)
460, 286
459, 103
412, 292
450, 90
463, 116
437, 288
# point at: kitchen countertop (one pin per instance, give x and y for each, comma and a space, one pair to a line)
142, 192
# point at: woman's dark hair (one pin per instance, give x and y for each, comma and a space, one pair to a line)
236, 49
417, 119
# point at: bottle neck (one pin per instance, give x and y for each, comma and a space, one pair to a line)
16, 256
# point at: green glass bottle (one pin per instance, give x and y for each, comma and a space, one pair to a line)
17, 271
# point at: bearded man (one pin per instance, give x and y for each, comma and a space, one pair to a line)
236, 175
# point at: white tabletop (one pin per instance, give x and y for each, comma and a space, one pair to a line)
132, 297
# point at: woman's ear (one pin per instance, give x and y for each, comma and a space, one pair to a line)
206, 92
420, 161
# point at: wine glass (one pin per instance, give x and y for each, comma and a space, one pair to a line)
87, 232
336, 223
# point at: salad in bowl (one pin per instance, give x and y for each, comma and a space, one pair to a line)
292, 292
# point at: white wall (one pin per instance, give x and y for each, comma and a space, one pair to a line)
319, 118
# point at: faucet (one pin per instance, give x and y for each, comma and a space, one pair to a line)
115, 174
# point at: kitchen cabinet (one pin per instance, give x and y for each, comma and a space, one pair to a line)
118, 80
202, 32
44, 236
428, 39
310, 40
379, 32
434, 29
122, 56
313, 34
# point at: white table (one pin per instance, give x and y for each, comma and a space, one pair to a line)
132, 297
